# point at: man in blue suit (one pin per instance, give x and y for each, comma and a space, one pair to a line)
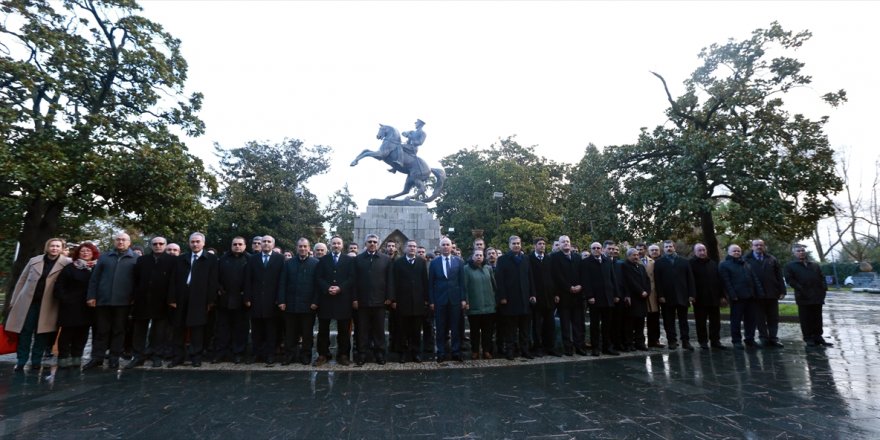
446, 293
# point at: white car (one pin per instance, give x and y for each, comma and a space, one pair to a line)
848, 281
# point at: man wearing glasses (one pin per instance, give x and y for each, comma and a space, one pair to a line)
335, 295
194, 292
261, 278
374, 290
152, 279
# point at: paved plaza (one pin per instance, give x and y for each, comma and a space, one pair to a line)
792, 392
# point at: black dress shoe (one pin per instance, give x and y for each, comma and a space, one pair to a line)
527, 355
612, 352
135, 362
380, 359
569, 352
417, 359
94, 363
18, 368
236, 359
687, 346
823, 342
704, 345
718, 346
175, 363
580, 351
457, 358
738, 346
656, 345
441, 359
196, 364
113, 364
342, 360
673, 346
509, 355
774, 344
594, 353
554, 353
157, 363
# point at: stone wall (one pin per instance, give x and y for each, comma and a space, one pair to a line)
399, 220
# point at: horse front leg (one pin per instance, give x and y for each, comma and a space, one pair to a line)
406, 188
365, 153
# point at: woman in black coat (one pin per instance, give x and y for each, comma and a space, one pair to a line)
74, 316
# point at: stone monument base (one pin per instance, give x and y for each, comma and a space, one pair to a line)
398, 221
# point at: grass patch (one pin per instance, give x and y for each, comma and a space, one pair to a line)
785, 310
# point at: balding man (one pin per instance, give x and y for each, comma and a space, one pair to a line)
297, 292
769, 271
262, 276
565, 272
110, 292
709, 297
742, 286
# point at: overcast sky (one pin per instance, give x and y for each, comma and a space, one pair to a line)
556, 75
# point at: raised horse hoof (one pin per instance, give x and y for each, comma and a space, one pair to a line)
354, 163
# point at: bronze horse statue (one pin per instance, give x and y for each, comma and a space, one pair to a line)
416, 170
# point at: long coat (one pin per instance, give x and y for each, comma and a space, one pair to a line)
410, 286
23, 295
564, 274
71, 289
513, 276
261, 284
653, 304
374, 283
634, 280
673, 280
769, 271
193, 300
341, 274
231, 272
152, 280
112, 282
808, 282
298, 288
707, 282
739, 280
599, 281
543, 282
479, 287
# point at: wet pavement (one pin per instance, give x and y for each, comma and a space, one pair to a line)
762, 393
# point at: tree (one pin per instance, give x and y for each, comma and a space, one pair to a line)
91, 105
730, 139
264, 192
529, 187
340, 214
592, 211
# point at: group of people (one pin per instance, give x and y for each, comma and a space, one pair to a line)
196, 306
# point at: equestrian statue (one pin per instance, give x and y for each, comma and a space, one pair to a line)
403, 157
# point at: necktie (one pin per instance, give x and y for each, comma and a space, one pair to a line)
446, 268
411, 260
335, 258
265, 260
191, 265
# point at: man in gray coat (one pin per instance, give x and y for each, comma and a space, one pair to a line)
110, 290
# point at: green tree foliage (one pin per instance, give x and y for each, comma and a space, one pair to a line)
592, 211
264, 192
340, 213
730, 139
91, 104
530, 184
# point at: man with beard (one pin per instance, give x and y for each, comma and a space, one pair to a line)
296, 294
769, 271
515, 295
410, 299
336, 284
600, 290
675, 290
232, 323
543, 324
373, 287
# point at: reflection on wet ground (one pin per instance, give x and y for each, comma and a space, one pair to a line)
787, 393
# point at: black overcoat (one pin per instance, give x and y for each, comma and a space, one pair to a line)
543, 284
410, 286
231, 293
298, 287
374, 282
341, 274
514, 281
261, 284
192, 300
70, 291
152, 281
599, 281
707, 282
564, 274
634, 280
673, 280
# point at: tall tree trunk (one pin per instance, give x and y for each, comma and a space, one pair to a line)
707, 224
40, 223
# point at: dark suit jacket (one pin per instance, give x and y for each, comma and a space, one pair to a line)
152, 280
543, 283
374, 284
342, 275
673, 280
444, 290
410, 286
261, 284
769, 271
808, 282
633, 281
192, 300
231, 293
599, 281
707, 282
298, 288
515, 284
565, 274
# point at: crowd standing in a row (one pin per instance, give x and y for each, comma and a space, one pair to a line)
197, 306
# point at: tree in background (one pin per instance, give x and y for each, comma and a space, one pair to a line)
592, 210
531, 188
264, 192
730, 139
340, 214
92, 101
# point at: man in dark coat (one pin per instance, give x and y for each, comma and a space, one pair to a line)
297, 292
743, 287
261, 278
601, 293
410, 299
110, 289
809, 293
675, 291
193, 292
232, 322
709, 297
621, 324
565, 274
152, 280
515, 295
769, 271
373, 289
447, 299
635, 287
336, 296
543, 324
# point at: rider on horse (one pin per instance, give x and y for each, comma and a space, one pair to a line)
414, 139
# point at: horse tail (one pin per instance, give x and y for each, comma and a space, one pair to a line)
440, 174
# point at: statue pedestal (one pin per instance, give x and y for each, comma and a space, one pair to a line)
399, 221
